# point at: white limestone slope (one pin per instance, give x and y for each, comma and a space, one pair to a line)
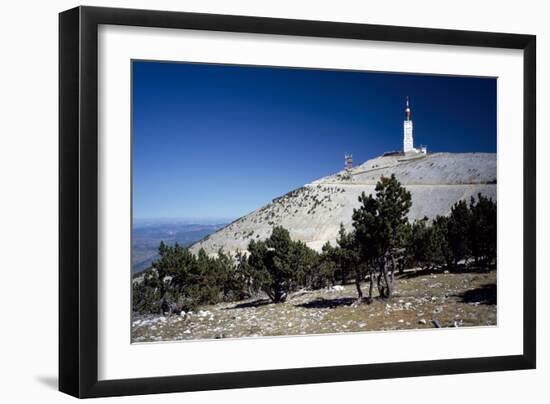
313, 213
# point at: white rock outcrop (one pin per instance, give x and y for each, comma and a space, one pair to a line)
313, 213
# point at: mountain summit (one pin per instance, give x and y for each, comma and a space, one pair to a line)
313, 213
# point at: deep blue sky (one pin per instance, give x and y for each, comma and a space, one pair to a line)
218, 141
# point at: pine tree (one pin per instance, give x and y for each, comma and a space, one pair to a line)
458, 228
483, 229
426, 244
271, 264
380, 227
327, 267
281, 265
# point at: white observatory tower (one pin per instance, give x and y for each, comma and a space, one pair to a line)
408, 145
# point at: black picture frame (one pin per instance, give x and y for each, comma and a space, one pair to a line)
78, 201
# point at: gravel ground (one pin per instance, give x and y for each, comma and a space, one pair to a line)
421, 301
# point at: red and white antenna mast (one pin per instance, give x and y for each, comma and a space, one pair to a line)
407, 110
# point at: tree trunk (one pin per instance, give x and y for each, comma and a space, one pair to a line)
358, 284
392, 258
371, 284
385, 288
389, 283
270, 294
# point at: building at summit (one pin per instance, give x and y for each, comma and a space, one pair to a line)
408, 142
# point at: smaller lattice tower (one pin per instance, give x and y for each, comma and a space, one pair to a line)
348, 162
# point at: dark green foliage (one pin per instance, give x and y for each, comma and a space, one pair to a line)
394, 202
380, 225
146, 293
180, 280
280, 264
483, 230
380, 222
382, 240
327, 267
458, 227
427, 244
469, 232
306, 264
347, 255
441, 235
243, 283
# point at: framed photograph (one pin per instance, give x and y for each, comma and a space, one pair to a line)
251, 201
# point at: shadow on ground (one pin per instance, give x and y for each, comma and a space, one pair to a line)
327, 303
487, 294
461, 269
255, 303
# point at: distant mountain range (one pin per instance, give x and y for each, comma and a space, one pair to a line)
147, 235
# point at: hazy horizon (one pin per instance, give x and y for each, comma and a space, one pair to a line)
144, 221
